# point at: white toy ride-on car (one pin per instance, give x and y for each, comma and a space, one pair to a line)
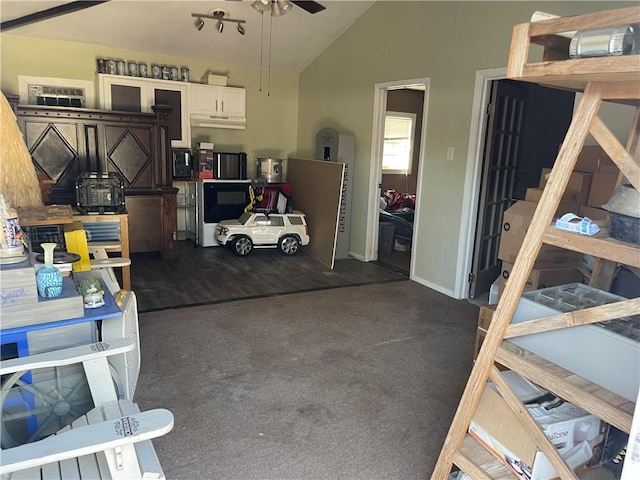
254, 229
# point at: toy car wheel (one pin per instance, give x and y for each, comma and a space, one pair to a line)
242, 245
288, 245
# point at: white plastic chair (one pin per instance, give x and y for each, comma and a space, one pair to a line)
112, 440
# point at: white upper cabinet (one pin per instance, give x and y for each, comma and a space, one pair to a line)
216, 107
131, 94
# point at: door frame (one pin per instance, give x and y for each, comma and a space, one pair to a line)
473, 175
375, 170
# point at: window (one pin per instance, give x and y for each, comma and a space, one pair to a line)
399, 130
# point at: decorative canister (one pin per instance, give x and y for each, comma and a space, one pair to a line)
185, 74
11, 237
49, 278
166, 73
133, 69
174, 73
111, 67
156, 71
102, 65
142, 70
120, 67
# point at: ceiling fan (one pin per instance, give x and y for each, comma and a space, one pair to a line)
280, 7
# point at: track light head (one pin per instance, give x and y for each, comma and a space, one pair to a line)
241, 29
198, 23
220, 26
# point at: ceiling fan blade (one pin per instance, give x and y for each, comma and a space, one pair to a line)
48, 13
309, 6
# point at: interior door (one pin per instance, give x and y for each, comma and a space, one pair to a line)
505, 111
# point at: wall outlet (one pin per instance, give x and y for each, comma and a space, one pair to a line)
450, 151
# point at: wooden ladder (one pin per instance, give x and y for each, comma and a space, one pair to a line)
600, 79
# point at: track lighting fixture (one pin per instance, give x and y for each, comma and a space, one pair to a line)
221, 16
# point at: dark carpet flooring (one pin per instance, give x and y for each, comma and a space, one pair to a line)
344, 383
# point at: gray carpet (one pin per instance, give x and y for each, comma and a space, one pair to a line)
351, 383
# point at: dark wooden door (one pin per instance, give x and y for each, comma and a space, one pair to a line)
501, 154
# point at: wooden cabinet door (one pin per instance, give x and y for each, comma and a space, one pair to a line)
175, 95
130, 152
123, 94
203, 99
61, 150
231, 102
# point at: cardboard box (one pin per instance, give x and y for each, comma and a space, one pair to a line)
579, 183
578, 435
570, 202
593, 158
542, 277
18, 284
602, 188
485, 315
484, 320
594, 213
212, 79
515, 222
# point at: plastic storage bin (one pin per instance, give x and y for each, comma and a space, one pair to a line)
605, 353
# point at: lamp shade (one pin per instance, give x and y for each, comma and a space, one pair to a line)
262, 5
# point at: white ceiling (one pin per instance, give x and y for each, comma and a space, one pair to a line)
166, 27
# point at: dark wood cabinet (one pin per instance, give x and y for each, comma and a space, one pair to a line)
65, 143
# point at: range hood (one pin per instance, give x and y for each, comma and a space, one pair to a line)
210, 121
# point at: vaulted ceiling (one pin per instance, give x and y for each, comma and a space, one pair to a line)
167, 27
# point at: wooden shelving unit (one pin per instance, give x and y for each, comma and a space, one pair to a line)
614, 79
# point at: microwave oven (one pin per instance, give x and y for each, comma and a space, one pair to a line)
230, 166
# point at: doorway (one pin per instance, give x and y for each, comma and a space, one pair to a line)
396, 213
545, 117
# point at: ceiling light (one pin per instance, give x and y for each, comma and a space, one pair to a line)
276, 8
262, 5
280, 7
221, 16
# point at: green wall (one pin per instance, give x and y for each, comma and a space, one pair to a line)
447, 42
271, 120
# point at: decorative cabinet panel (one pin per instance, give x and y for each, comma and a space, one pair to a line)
61, 149
132, 94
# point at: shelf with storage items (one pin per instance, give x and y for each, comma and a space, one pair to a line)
134, 94
599, 79
186, 203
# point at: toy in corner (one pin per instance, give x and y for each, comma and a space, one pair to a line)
256, 196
